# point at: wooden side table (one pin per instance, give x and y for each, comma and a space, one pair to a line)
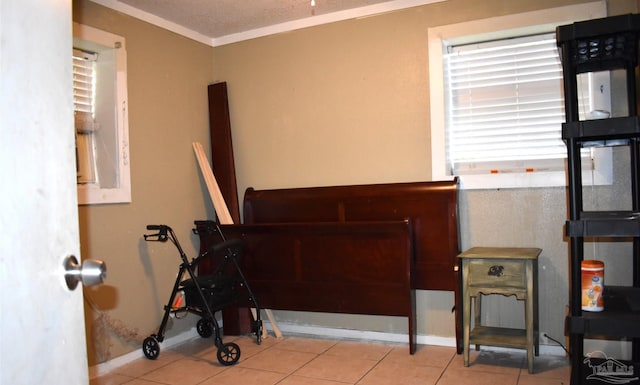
505, 271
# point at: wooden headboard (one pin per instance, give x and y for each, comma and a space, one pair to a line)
360, 249
432, 208
335, 267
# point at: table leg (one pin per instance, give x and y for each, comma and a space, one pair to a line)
529, 317
477, 312
466, 315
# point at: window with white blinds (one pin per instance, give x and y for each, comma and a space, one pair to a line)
84, 68
496, 101
101, 116
505, 106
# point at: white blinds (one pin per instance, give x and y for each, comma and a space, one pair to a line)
83, 99
505, 105
83, 80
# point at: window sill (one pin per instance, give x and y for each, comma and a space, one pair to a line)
88, 195
598, 173
528, 180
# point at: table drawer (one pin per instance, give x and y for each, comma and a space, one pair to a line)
496, 272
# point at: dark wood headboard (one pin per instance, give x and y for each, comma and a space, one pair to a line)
335, 267
432, 208
360, 249
355, 267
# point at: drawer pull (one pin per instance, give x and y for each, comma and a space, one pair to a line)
496, 271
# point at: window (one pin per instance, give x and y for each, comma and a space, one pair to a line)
504, 106
101, 120
496, 102
84, 68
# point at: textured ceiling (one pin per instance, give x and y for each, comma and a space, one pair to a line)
216, 18
224, 21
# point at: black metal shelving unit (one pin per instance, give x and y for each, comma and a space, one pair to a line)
591, 46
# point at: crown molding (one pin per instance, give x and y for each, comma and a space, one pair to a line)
355, 13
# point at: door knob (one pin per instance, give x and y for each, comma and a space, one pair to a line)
91, 272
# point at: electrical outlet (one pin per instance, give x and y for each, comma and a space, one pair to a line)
543, 338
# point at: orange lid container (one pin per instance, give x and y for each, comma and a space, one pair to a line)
592, 264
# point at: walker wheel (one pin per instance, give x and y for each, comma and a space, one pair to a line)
151, 348
228, 354
204, 328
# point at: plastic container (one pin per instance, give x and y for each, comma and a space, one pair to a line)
592, 285
180, 301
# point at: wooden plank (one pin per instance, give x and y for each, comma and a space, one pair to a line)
224, 217
212, 185
274, 324
222, 162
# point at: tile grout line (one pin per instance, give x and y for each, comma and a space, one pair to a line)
374, 366
305, 364
335, 343
446, 367
288, 375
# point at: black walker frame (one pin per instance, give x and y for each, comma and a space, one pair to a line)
205, 295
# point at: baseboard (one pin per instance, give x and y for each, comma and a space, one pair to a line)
336, 333
365, 335
168, 343
316, 332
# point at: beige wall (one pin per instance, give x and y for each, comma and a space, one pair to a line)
168, 110
343, 103
348, 103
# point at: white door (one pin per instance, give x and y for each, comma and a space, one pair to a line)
42, 337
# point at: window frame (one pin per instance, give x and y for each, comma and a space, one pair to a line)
501, 27
120, 192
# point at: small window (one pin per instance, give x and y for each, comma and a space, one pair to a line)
497, 102
101, 119
505, 106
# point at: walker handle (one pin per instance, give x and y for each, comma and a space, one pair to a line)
160, 236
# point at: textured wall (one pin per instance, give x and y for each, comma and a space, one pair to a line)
348, 103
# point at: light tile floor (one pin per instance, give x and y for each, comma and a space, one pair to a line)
308, 361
